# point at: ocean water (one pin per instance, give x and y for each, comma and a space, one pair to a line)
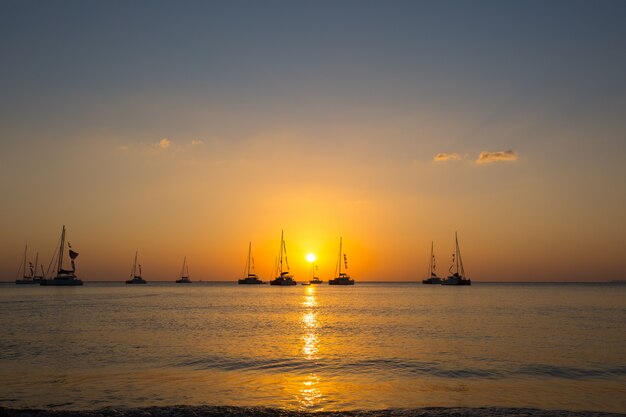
317, 348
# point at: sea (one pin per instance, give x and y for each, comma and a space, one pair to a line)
260, 349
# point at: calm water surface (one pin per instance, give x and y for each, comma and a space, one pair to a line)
371, 346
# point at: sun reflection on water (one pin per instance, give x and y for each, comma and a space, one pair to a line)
310, 395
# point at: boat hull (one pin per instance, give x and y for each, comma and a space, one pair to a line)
282, 282
183, 281
456, 281
28, 281
340, 281
436, 281
136, 281
249, 281
61, 282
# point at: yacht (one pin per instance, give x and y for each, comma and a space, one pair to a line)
134, 278
30, 277
184, 274
432, 273
64, 277
284, 278
341, 278
249, 276
458, 277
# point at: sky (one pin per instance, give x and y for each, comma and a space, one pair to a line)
192, 128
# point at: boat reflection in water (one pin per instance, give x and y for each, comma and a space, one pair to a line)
310, 395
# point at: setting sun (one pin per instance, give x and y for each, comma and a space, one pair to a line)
310, 257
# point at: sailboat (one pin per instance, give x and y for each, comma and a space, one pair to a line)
250, 277
64, 276
134, 278
314, 279
31, 277
432, 274
458, 277
184, 274
342, 278
284, 278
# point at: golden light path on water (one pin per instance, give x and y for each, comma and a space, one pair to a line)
310, 394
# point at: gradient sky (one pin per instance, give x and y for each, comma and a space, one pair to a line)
191, 128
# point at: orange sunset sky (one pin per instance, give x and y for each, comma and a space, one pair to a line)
191, 129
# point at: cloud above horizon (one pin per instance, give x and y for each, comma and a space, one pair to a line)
487, 157
443, 156
164, 143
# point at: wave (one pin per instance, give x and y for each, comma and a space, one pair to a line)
217, 411
401, 366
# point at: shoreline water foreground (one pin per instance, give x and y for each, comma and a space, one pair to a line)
228, 411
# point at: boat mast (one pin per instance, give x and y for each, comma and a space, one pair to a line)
61, 248
35, 269
249, 255
25, 250
280, 260
135, 266
430, 261
339, 259
459, 261
182, 271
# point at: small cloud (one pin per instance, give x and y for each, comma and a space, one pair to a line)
487, 157
164, 143
196, 142
443, 156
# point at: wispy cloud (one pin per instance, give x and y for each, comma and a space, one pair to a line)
487, 157
443, 156
164, 143
196, 142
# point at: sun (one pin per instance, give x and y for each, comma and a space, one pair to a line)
310, 257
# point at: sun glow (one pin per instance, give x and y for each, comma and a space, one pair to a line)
311, 257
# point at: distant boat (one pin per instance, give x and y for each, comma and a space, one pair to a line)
458, 277
432, 273
250, 277
342, 278
314, 279
31, 277
64, 276
184, 274
136, 279
284, 279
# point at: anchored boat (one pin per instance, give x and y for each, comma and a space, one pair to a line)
458, 277
31, 277
134, 278
184, 274
64, 277
342, 278
284, 279
249, 276
432, 274
314, 279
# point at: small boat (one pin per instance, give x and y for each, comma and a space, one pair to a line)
184, 274
250, 277
314, 279
31, 277
458, 277
136, 279
64, 277
342, 278
305, 283
432, 273
284, 279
